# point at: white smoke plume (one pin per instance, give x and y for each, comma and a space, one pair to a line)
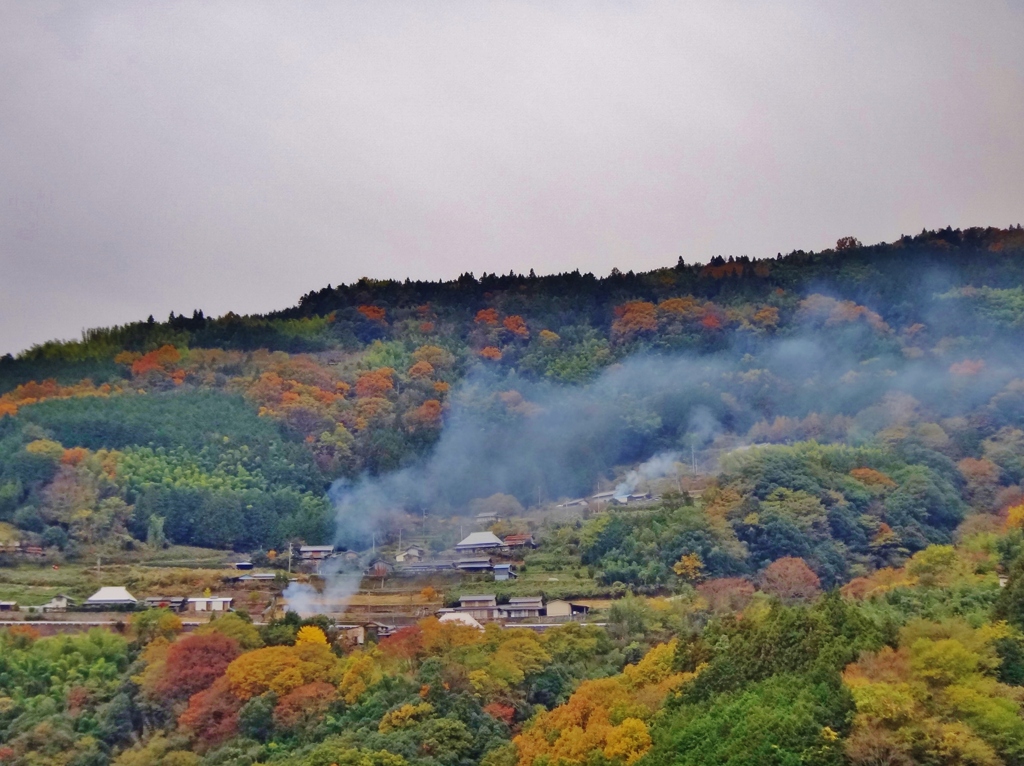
663, 464
339, 587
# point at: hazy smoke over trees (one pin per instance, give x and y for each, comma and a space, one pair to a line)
538, 441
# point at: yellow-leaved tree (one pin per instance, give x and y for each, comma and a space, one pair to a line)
604, 717
310, 634
281, 669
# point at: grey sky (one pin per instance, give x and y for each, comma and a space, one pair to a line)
159, 156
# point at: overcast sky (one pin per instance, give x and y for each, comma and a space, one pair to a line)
159, 156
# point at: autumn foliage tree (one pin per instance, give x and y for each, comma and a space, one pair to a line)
790, 580
689, 568
373, 313
375, 383
427, 415
212, 714
726, 594
982, 477
486, 317
491, 353
160, 360
155, 623
516, 325
311, 634
605, 717
304, 704
633, 319
193, 663
435, 356
421, 370
281, 669
404, 645
934, 699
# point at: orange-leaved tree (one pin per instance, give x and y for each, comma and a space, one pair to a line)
427, 415
486, 317
634, 318
375, 383
491, 353
373, 313
516, 325
421, 370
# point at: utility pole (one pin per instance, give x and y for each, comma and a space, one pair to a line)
693, 456
289, 557
399, 539
97, 566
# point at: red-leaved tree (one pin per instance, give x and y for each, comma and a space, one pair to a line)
212, 715
194, 663
304, 705
791, 580
726, 594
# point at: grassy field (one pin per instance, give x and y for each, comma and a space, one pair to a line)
175, 571
31, 586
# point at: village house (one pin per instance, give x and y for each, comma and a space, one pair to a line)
379, 568
636, 497
520, 541
479, 541
174, 603
460, 618
379, 630
566, 609
504, 572
59, 603
244, 566
411, 555
19, 548
486, 518
472, 565
316, 552
480, 607
523, 607
210, 604
111, 597
8, 606
352, 634
427, 567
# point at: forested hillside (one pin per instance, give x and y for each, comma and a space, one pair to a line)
841, 582
252, 418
